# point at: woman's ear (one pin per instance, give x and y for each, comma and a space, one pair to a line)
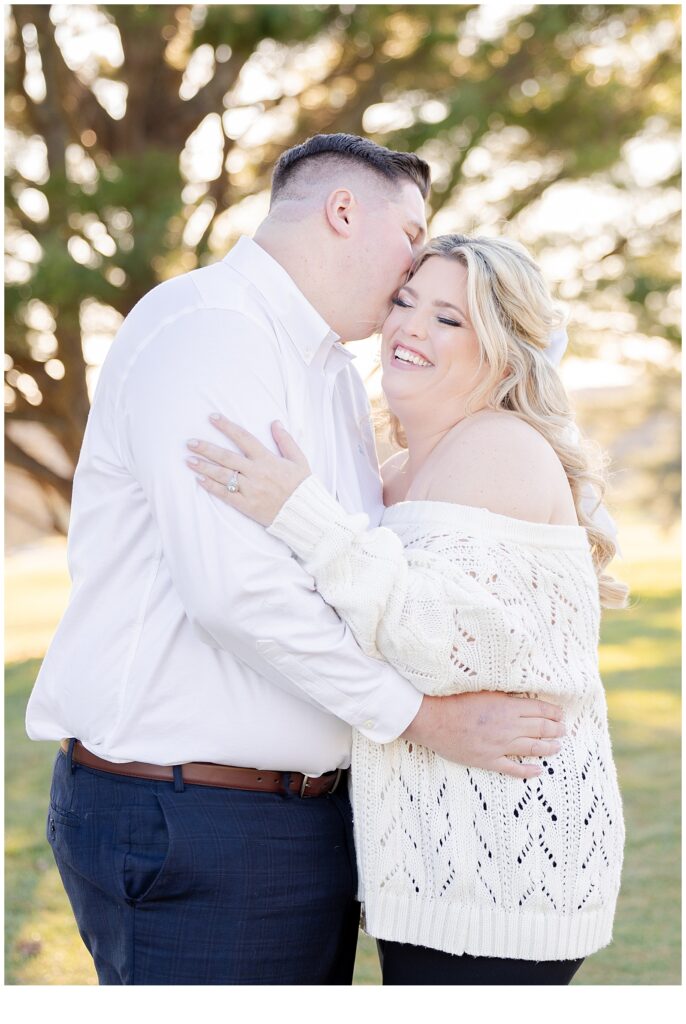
340, 206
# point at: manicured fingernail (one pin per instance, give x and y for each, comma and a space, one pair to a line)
193, 443
279, 424
193, 462
215, 416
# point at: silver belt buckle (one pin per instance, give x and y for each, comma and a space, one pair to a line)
303, 786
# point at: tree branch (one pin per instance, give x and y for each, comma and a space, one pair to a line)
37, 228
47, 115
27, 513
17, 456
530, 195
153, 85
35, 414
208, 100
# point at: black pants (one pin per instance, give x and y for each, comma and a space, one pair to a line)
402, 964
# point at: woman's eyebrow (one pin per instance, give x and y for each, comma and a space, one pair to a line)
437, 302
449, 305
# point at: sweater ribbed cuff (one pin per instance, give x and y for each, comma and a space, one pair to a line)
309, 513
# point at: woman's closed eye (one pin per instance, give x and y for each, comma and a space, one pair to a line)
404, 304
397, 301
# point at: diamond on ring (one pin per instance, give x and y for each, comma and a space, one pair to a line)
232, 486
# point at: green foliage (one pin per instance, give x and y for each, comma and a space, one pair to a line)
244, 26
559, 91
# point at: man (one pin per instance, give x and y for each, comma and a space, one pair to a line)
200, 824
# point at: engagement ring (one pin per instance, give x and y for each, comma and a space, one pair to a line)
232, 485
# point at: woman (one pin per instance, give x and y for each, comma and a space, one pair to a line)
485, 574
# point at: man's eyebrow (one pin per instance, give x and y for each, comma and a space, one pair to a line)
437, 302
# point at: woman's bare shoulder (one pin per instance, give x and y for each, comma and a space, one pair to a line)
497, 461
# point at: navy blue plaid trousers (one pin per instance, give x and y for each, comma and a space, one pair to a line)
194, 885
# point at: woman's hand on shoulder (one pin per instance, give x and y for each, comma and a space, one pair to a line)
249, 477
498, 462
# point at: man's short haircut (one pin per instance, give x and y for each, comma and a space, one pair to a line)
396, 168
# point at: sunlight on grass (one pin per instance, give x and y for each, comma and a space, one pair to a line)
647, 709
637, 653
41, 956
36, 593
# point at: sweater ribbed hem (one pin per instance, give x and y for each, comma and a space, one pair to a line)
441, 924
307, 516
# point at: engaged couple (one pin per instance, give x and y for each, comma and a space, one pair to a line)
286, 686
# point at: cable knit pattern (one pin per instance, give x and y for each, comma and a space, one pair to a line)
457, 599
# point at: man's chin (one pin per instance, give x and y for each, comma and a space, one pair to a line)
363, 333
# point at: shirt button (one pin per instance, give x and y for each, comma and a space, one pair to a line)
369, 724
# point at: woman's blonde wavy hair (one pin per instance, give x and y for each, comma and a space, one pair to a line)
513, 316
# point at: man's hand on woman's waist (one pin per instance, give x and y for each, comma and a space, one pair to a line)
487, 730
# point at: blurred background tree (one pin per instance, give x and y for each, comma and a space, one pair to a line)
140, 142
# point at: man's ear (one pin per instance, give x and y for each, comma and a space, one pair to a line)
339, 207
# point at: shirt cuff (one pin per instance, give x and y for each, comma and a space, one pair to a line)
398, 706
308, 515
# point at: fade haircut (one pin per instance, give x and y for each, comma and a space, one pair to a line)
297, 170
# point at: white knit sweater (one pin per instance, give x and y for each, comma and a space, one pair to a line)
459, 598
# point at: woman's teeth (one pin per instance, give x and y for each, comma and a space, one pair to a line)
406, 356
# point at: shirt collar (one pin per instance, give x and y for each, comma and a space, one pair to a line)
308, 331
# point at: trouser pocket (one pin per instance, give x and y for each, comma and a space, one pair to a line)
147, 848
63, 821
109, 831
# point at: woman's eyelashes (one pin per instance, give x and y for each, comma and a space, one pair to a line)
397, 301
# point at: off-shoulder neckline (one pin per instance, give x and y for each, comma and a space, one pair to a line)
487, 523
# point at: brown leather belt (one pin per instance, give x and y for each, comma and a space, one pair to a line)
204, 773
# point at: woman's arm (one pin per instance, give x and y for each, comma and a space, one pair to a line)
429, 618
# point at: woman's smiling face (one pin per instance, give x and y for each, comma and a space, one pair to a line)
430, 351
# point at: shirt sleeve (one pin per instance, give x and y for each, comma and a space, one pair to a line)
438, 625
242, 590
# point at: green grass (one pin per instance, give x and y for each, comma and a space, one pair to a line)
640, 656
42, 945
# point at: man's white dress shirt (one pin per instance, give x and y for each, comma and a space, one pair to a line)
191, 634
